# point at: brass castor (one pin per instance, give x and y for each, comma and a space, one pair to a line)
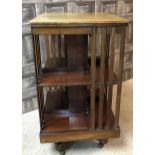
102, 143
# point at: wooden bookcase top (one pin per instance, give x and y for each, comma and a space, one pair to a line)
77, 18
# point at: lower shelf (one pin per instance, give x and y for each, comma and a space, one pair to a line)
61, 120
59, 124
64, 120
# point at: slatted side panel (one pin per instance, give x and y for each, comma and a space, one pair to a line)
32, 8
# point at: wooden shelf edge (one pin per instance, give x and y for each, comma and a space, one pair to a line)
78, 135
65, 79
81, 82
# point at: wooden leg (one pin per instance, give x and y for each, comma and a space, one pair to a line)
102, 142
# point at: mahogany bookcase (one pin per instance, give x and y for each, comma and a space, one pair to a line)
74, 55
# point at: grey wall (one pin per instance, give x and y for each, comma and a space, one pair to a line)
31, 8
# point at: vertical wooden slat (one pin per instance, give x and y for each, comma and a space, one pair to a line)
41, 98
110, 81
40, 105
89, 44
59, 47
120, 70
39, 89
36, 71
38, 56
34, 38
107, 44
93, 76
53, 47
47, 47
102, 79
107, 48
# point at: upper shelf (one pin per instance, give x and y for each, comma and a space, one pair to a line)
77, 19
61, 75
65, 78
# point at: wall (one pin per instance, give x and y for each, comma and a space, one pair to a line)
31, 8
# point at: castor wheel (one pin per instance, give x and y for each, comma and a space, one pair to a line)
62, 152
62, 147
100, 144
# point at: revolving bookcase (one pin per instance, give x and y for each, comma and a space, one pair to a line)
76, 69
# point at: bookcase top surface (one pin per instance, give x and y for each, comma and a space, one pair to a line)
77, 18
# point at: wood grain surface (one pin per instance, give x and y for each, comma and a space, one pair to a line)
77, 18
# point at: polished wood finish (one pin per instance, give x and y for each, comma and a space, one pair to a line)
75, 84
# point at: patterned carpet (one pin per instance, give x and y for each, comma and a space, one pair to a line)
118, 146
